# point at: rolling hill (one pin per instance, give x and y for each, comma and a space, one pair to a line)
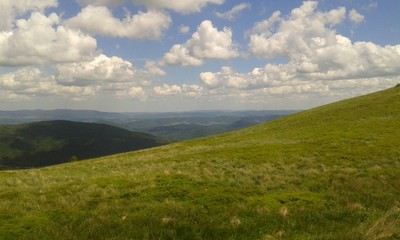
53, 142
175, 126
332, 172
28, 116
185, 128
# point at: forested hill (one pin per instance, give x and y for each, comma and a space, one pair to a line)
53, 142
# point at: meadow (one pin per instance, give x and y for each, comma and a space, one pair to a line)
332, 172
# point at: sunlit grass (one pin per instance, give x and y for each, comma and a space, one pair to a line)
328, 173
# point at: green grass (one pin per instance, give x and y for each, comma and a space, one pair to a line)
328, 173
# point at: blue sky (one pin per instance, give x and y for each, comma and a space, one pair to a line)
157, 55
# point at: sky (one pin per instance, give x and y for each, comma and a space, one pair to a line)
189, 55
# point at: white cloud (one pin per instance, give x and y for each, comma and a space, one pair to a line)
355, 17
10, 9
98, 20
181, 6
184, 29
151, 69
206, 43
166, 90
263, 83
293, 34
187, 90
22, 79
231, 14
101, 69
110, 74
193, 90
319, 61
148, 73
79, 80
40, 39
210, 79
265, 27
314, 50
180, 55
29, 82
132, 92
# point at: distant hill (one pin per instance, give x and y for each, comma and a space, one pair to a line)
180, 127
175, 126
53, 142
26, 116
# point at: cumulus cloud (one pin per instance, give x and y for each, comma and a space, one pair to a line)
101, 69
319, 61
260, 84
290, 38
206, 43
314, 50
266, 27
166, 90
151, 69
192, 90
29, 82
180, 55
80, 80
110, 74
185, 7
132, 92
98, 20
40, 39
148, 73
187, 90
10, 9
355, 17
231, 14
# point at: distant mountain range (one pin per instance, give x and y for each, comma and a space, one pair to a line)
24, 116
53, 142
176, 126
185, 128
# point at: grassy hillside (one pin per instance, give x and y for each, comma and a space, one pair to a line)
54, 142
327, 173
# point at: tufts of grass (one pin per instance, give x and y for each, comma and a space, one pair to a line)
328, 173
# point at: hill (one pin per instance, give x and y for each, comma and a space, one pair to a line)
27, 116
185, 128
328, 173
175, 126
53, 142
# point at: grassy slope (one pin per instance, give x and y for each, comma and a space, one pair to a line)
53, 142
328, 173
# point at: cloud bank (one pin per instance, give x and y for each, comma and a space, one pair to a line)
316, 59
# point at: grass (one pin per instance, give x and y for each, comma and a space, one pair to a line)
328, 173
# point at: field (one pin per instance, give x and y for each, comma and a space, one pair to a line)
328, 173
